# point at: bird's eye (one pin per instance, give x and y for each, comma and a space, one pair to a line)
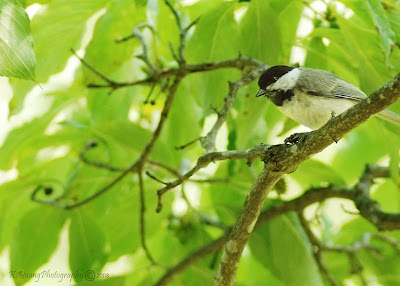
275, 78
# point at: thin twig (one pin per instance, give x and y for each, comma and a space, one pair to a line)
150, 93
317, 251
150, 175
134, 32
110, 83
250, 155
174, 55
208, 142
164, 166
192, 24
238, 63
142, 221
187, 144
182, 34
200, 181
138, 34
82, 155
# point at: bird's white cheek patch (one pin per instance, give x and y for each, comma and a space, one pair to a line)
287, 81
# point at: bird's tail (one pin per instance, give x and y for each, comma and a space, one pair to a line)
389, 116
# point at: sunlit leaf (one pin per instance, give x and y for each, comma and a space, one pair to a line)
32, 246
383, 26
87, 244
270, 245
16, 51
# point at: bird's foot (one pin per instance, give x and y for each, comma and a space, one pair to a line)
296, 138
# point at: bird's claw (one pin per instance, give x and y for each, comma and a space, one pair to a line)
296, 138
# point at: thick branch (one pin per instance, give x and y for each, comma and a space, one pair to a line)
284, 159
244, 226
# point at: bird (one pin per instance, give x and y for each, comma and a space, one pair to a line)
312, 96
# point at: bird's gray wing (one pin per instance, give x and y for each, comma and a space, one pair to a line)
323, 83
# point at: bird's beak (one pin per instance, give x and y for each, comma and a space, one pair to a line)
261, 92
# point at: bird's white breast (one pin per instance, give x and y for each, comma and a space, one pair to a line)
314, 111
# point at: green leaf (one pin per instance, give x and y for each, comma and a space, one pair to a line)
14, 204
30, 2
115, 62
315, 56
385, 268
259, 113
87, 243
183, 125
272, 35
58, 27
283, 247
120, 141
167, 30
387, 195
260, 275
122, 227
360, 147
22, 142
359, 33
393, 16
210, 88
352, 230
336, 57
35, 240
264, 42
221, 40
308, 171
17, 58
383, 27
227, 199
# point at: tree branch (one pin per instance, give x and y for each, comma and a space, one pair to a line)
182, 33
238, 63
308, 198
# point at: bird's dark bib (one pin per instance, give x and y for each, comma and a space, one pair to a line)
279, 96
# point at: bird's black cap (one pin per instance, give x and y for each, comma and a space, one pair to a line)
272, 74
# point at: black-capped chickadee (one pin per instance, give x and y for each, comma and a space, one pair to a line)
311, 96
